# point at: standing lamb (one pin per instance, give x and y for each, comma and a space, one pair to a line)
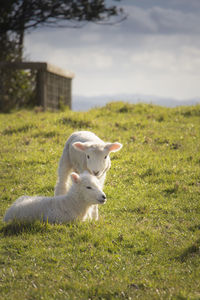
84, 151
75, 205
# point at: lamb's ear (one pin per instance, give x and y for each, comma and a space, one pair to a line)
113, 147
75, 177
80, 146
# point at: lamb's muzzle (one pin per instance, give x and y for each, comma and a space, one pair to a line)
96, 173
103, 199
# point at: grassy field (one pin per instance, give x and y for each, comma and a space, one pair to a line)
146, 244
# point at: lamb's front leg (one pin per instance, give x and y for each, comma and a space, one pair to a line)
63, 174
95, 212
92, 213
102, 180
95, 209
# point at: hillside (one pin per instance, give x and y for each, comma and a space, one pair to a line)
84, 103
146, 244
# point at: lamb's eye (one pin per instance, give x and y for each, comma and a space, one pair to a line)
88, 156
88, 187
105, 157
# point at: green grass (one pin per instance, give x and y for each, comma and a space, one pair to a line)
146, 244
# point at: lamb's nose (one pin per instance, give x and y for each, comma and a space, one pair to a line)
104, 197
95, 173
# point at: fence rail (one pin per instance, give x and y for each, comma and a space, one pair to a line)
53, 84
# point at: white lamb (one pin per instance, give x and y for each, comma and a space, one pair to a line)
84, 151
75, 205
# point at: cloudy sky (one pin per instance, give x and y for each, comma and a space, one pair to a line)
156, 51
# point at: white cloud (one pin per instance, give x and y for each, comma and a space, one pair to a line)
157, 51
172, 21
161, 20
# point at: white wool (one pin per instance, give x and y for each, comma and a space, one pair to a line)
84, 192
84, 151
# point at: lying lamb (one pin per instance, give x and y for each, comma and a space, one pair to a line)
84, 151
76, 204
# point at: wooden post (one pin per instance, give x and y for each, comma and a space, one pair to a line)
42, 88
69, 100
43, 70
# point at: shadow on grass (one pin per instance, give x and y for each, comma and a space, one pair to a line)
18, 228
195, 227
49, 134
74, 123
23, 129
190, 252
15, 228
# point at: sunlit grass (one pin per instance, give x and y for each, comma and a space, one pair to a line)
146, 244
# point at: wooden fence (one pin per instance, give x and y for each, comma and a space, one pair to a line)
53, 84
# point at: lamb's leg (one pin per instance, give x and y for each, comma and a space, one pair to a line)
63, 174
92, 213
102, 180
95, 212
88, 215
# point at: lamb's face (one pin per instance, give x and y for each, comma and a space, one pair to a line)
91, 189
97, 159
97, 155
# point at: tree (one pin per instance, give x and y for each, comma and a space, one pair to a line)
17, 16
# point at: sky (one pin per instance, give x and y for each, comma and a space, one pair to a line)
155, 51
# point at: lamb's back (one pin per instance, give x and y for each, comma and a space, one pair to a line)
84, 136
29, 208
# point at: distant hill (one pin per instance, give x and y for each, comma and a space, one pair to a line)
83, 103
